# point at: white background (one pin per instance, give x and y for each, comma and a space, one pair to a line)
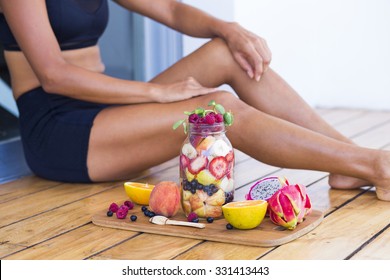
335, 53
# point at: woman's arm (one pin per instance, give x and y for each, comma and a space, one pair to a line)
249, 50
30, 25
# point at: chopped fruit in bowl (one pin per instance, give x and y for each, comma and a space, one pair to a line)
138, 192
245, 214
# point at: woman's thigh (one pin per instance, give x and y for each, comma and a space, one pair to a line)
128, 139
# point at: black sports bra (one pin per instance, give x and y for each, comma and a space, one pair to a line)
76, 23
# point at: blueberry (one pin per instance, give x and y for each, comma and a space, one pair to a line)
229, 226
146, 213
151, 214
193, 191
210, 219
110, 213
229, 197
144, 208
133, 218
196, 220
194, 183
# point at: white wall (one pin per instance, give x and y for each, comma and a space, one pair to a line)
335, 53
214, 7
7, 100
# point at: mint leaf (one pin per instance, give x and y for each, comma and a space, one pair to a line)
200, 111
212, 103
220, 108
228, 118
178, 123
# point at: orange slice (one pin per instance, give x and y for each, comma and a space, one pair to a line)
138, 192
246, 214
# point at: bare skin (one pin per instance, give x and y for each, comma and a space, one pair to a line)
137, 135
293, 135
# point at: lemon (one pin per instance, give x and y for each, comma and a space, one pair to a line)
138, 192
245, 214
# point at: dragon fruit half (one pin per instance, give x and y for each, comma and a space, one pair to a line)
289, 205
266, 187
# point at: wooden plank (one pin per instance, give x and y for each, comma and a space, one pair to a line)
222, 251
77, 244
340, 233
46, 200
375, 138
46, 197
150, 246
25, 186
363, 123
6, 248
62, 219
378, 249
337, 116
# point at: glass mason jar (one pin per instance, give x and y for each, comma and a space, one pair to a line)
206, 170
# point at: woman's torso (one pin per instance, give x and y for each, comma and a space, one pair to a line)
77, 37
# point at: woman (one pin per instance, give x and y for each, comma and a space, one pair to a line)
79, 125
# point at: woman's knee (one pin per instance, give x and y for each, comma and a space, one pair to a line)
220, 51
229, 101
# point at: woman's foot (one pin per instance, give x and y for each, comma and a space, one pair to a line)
381, 178
383, 184
342, 182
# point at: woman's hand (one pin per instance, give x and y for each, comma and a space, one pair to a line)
181, 91
249, 50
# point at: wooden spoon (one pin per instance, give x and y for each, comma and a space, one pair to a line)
161, 220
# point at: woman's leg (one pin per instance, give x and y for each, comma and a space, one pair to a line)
133, 138
213, 65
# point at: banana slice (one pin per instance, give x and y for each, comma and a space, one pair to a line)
189, 151
219, 148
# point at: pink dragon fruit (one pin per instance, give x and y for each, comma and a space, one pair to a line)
289, 205
266, 187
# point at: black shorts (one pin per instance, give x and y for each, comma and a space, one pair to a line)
55, 134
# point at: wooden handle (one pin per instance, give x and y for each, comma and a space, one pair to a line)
187, 224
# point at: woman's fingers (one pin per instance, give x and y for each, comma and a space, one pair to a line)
182, 90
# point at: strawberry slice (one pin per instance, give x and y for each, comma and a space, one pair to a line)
230, 156
184, 161
218, 167
198, 164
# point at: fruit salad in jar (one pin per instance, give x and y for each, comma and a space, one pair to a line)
207, 163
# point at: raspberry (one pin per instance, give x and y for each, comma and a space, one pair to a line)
202, 120
218, 118
113, 207
192, 216
210, 118
193, 118
122, 212
129, 204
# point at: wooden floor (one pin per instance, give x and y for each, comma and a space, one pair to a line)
42, 219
